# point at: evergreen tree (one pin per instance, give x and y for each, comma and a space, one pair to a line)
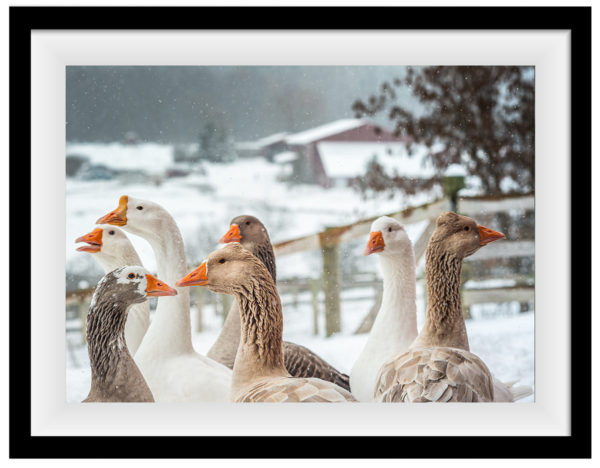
215, 143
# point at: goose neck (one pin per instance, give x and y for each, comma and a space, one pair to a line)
399, 291
264, 252
170, 254
395, 326
444, 323
171, 329
260, 351
105, 335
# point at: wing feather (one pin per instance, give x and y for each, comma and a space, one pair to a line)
302, 362
435, 375
294, 390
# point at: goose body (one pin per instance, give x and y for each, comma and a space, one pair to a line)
115, 375
395, 326
173, 369
259, 373
112, 249
435, 374
298, 360
438, 365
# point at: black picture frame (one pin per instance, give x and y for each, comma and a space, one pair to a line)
23, 20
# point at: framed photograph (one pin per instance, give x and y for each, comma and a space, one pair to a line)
216, 111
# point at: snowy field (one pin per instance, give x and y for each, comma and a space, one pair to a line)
203, 205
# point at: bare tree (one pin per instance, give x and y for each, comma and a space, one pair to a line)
480, 117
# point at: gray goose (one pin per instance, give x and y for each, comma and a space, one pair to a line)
259, 373
115, 376
112, 249
438, 367
299, 360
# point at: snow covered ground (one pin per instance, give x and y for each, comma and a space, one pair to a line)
203, 204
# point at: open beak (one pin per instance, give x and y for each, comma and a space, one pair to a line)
195, 278
117, 217
375, 243
94, 239
233, 235
487, 235
157, 288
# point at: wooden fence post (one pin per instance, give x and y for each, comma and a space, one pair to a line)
315, 287
331, 287
329, 240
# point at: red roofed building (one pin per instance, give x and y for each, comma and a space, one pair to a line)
312, 145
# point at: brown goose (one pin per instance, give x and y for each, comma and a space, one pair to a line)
115, 376
298, 360
438, 366
259, 374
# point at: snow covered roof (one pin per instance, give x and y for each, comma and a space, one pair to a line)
268, 140
350, 159
323, 131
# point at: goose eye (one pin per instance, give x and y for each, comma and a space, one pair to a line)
389, 229
139, 207
112, 233
131, 275
247, 223
467, 228
222, 260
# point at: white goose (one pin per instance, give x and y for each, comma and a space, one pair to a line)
173, 369
395, 326
112, 249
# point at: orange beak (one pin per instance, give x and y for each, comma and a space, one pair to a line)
94, 239
195, 278
117, 217
157, 288
487, 235
233, 235
375, 243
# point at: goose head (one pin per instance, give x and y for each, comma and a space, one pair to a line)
461, 236
388, 238
106, 240
132, 284
245, 229
140, 217
227, 270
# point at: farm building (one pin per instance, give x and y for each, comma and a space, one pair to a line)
266, 147
337, 152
